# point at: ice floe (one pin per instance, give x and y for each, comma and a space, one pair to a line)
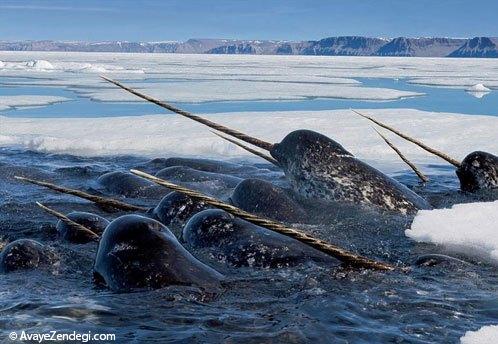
7, 102
478, 88
485, 335
39, 64
470, 229
230, 90
171, 134
336, 70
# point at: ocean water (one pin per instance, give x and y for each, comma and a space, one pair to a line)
311, 302
307, 303
437, 99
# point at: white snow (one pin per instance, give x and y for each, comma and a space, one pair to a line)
335, 71
60, 68
7, 102
171, 134
245, 90
2, 64
485, 335
39, 64
470, 228
478, 88
458, 81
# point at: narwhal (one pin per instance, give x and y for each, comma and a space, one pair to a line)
477, 171
319, 167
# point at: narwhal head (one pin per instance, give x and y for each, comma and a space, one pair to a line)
305, 147
479, 170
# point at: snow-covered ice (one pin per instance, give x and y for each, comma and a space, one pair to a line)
168, 134
39, 64
485, 335
478, 88
229, 90
7, 102
470, 229
320, 70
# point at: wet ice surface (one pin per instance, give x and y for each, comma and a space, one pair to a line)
306, 303
309, 302
152, 136
210, 83
487, 334
453, 228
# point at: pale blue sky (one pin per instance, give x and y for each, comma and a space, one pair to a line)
158, 20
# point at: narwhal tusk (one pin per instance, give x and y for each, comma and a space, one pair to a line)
440, 154
103, 201
68, 221
249, 149
345, 256
241, 136
419, 173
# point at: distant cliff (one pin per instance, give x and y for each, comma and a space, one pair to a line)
331, 46
429, 47
477, 47
347, 45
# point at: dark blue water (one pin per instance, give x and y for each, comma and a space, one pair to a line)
437, 99
308, 303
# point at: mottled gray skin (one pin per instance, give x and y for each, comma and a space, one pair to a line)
176, 208
478, 171
319, 167
137, 252
190, 175
130, 185
240, 243
25, 254
263, 198
93, 222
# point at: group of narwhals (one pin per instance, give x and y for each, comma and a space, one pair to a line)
139, 250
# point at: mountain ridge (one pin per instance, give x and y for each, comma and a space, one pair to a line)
485, 47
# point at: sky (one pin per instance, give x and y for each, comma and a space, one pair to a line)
164, 20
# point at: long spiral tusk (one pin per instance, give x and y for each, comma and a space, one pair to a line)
241, 136
415, 169
68, 221
103, 201
422, 145
347, 257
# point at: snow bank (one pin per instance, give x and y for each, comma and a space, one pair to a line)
63, 67
485, 335
469, 228
478, 88
39, 64
7, 102
168, 134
